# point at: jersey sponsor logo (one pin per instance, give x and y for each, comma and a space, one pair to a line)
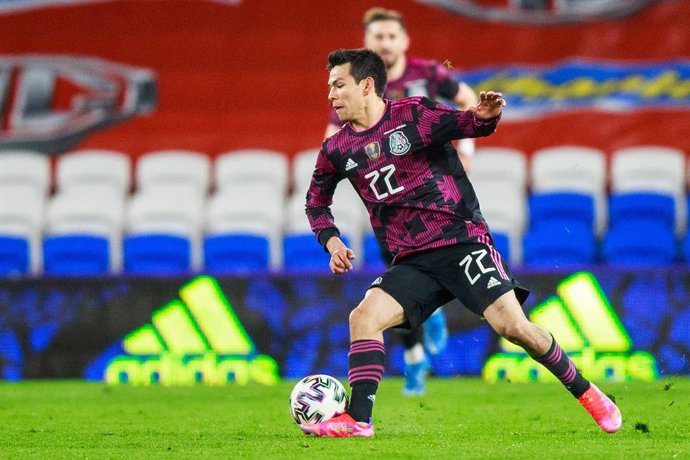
585, 325
351, 164
373, 151
198, 339
52, 102
398, 143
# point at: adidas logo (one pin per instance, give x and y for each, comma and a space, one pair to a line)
350, 164
493, 282
587, 328
198, 339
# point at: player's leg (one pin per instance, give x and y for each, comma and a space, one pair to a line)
416, 362
436, 333
377, 312
398, 298
506, 317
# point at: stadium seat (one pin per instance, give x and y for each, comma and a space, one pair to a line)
572, 169
652, 169
164, 231
267, 167
561, 230
178, 168
84, 231
244, 211
105, 168
157, 254
236, 253
22, 208
499, 164
560, 243
642, 230
14, 256
26, 168
76, 255
641, 242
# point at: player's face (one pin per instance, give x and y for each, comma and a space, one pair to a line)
346, 96
387, 39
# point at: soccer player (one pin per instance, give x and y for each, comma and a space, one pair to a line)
385, 33
423, 210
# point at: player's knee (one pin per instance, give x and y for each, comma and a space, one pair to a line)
516, 332
361, 315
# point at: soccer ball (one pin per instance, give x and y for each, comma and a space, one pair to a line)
317, 398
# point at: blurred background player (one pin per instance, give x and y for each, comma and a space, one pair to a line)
385, 33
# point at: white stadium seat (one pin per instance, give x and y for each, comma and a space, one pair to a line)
500, 164
257, 166
181, 168
107, 168
27, 168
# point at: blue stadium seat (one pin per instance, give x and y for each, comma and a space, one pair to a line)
559, 243
14, 256
640, 242
303, 253
653, 206
157, 254
642, 229
76, 255
236, 253
561, 230
544, 207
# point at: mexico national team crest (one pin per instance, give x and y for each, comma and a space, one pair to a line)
373, 150
398, 143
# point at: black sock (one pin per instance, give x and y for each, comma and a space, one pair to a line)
365, 361
560, 365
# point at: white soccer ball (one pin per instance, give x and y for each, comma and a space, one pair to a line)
317, 398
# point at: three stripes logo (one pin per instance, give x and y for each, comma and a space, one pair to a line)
198, 339
585, 325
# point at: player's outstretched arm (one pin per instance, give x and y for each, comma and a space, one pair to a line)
490, 105
340, 256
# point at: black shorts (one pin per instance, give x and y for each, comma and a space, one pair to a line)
474, 273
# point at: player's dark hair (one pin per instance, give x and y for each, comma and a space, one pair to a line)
363, 63
381, 14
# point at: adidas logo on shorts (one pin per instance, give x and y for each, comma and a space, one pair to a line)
492, 282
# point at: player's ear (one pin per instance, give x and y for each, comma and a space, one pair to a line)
369, 86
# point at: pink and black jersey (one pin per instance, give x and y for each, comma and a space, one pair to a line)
414, 188
422, 77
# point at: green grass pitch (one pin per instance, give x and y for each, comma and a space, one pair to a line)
459, 418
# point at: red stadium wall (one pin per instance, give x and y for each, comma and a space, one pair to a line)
252, 74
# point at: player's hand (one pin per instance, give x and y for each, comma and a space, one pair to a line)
490, 105
341, 256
